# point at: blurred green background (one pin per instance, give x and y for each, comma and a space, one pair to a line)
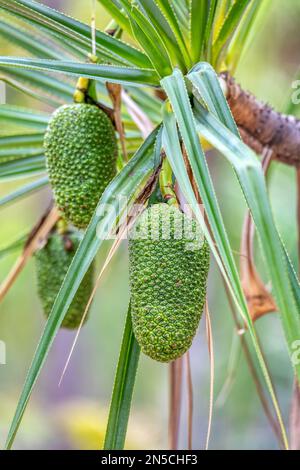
73, 416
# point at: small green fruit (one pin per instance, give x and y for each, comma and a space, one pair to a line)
52, 263
81, 151
169, 261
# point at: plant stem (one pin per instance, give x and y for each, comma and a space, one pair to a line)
166, 184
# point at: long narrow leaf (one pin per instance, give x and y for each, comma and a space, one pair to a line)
150, 40
113, 202
181, 10
171, 145
253, 184
208, 89
163, 28
123, 389
251, 178
64, 39
293, 279
210, 27
198, 20
117, 15
126, 372
75, 30
168, 11
228, 28
245, 32
173, 151
177, 93
113, 73
176, 90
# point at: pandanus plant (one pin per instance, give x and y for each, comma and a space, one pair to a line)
171, 97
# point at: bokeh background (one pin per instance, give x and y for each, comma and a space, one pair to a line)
73, 416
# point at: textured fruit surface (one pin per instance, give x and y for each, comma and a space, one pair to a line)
52, 263
169, 261
81, 151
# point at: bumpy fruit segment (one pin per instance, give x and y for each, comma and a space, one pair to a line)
169, 261
81, 151
52, 263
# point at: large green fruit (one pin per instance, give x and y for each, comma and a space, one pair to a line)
52, 263
169, 261
81, 151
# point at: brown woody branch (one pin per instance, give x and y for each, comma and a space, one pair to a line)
261, 127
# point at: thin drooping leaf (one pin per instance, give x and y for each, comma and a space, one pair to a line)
23, 191
74, 31
16, 117
113, 73
114, 201
63, 39
133, 138
123, 389
175, 401
177, 93
250, 175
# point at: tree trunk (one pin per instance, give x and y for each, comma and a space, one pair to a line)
261, 127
